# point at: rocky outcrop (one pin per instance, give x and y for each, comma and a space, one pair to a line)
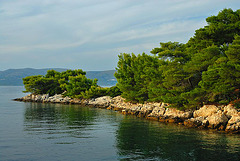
205, 111
45, 98
101, 101
233, 124
221, 118
224, 118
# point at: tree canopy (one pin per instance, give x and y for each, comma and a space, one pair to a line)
204, 70
73, 83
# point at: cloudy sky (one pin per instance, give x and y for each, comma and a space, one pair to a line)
89, 34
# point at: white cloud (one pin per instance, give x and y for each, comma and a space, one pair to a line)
82, 29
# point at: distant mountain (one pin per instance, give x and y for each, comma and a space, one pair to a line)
105, 78
13, 77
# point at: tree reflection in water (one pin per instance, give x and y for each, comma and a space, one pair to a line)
139, 139
134, 138
58, 119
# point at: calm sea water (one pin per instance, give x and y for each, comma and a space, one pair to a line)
34, 131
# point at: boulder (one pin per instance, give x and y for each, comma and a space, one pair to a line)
235, 128
38, 98
206, 111
44, 97
174, 113
230, 110
157, 111
117, 102
136, 107
217, 119
101, 101
147, 108
234, 119
171, 113
196, 122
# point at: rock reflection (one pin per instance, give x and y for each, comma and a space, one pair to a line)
146, 140
136, 138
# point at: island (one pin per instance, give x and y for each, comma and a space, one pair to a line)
196, 84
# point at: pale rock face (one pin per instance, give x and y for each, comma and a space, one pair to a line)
206, 111
158, 111
186, 115
44, 97
217, 119
230, 110
33, 97
135, 108
118, 99
147, 107
196, 122
173, 113
200, 118
235, 119
118, 102
101, 101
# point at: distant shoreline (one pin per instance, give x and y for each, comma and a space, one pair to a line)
13, 77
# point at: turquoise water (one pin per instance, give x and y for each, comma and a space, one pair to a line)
34, 131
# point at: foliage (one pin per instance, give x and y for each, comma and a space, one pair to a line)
135, 74
41, 85
94, 92
204, 70
113, 91
73, 82
78, 84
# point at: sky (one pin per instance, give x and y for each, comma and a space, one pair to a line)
90, 34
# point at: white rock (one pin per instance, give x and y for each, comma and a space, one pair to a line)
230, 110
234, 119
101, 101
217, 119
206, 111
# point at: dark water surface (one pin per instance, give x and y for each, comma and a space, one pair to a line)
34, 131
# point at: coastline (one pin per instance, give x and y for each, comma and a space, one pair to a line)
221, 118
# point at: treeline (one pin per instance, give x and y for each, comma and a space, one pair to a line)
72, 83
205, 70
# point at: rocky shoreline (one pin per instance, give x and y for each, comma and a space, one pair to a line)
221, 118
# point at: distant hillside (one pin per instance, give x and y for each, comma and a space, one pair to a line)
13, 77
105, 78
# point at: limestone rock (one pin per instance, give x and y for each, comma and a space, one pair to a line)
230, 110
117, 102
235, 128
174, 113
196, 122
171, 113
234, 119
146, 108
101, 101
217, 119
205, 111
158, 111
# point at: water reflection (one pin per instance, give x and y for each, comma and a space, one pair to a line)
113, 136
58, 121
147, 140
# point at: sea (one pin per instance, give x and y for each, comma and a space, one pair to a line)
57, 132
